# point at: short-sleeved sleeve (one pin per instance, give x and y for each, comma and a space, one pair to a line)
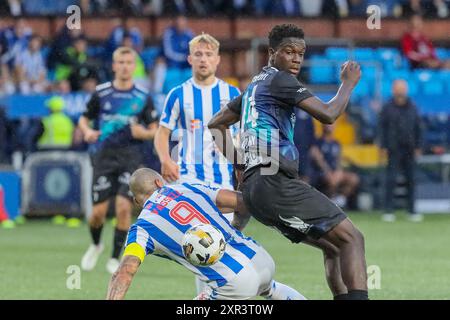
149, 113
210, 191
287, 89
171, 110
139, 242
93, 107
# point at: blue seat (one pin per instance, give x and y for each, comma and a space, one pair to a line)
442, 53
362, 89
435, 87
337, 53
369, 72
149, 56
322, 72
399, 74
364, 54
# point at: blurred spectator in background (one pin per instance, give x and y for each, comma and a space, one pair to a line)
327, 174
122, 28
285, 8
75, 65
426, 8
30, 70
11, 8
56, 130
59, 45
61, 87
173, 69
304, 139
418, 48
401, 140
6, 83
15, 41
153, 7
357, 8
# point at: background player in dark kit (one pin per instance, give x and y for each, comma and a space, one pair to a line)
280, 200
123, 116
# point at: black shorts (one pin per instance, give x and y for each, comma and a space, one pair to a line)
289, 205
112, 171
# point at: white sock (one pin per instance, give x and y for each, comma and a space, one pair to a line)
279, 291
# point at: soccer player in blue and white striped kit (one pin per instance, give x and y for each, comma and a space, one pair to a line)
188, 108
246, 270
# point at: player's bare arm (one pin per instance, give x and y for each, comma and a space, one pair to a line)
121, 279
231, 201
90, 135
219, 126
329, 112
169, 169
140, 132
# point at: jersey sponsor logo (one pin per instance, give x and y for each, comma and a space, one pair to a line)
296, 223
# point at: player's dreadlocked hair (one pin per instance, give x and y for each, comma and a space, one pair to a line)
281, 31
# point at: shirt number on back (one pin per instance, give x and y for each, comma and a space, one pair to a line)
184, 213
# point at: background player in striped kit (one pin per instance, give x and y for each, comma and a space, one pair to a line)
189, 107
123, 116
245, 270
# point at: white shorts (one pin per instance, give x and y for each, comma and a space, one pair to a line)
255, 279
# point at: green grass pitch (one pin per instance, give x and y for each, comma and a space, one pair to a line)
414, 260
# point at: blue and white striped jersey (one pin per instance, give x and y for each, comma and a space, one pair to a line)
188, 108
171, 211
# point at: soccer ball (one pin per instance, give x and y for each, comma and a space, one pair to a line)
203, 245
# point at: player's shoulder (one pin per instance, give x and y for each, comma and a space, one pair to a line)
234, 91
141, 89
104, 88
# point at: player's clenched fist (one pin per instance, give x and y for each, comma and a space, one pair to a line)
170, 170
91, 136
350, 72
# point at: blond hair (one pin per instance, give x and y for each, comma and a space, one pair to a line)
205, 38
123, 50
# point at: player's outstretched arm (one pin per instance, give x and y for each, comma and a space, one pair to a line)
232, 201
219, 125
121, 279
329, 112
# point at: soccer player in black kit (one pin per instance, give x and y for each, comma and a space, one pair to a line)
277, 198
122, 116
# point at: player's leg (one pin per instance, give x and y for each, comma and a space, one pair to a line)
124, 208
96, 221
391, 175
332, 265
301, 209
102, 188
350, 242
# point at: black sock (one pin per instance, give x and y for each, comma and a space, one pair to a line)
119, 240
342, 296
95, 234
357, 295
